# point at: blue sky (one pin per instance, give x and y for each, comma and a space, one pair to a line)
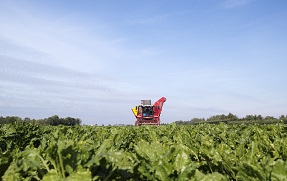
95, 60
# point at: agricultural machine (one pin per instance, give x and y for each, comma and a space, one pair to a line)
147, 114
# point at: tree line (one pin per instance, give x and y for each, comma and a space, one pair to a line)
53, 120
231, 118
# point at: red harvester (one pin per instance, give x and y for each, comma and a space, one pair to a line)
147, 114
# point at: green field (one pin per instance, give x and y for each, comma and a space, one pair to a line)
168, 152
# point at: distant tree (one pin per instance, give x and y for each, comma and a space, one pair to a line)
2, 120
12, 119
68, 121
197, 120
78, 121
71, 121
283, 118
53, 120
42, 121
269, 117
217, 118
180, 122
232, 117
27, 120
259, 117
250, 118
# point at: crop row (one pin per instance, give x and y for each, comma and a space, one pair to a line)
169, 152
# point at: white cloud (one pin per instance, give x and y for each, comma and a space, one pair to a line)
52, 67
37, 90
56, 42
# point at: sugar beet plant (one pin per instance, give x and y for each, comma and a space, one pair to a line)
170, 152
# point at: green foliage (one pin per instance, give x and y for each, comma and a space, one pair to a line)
233, 119
53, 120
170, 152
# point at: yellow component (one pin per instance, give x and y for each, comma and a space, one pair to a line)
135, 110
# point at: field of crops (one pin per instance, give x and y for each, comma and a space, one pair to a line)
169, 152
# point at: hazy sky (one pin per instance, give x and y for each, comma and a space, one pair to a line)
95, 60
